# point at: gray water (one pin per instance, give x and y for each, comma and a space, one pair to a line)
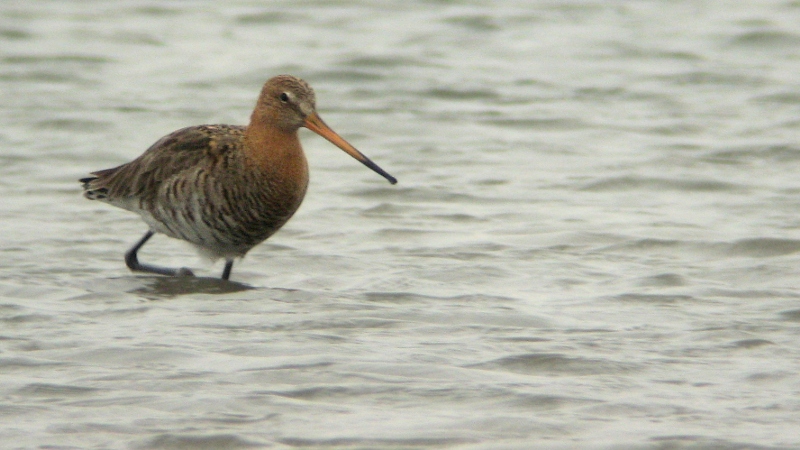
595, 241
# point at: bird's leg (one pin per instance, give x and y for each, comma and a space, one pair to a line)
133, 262
226, 273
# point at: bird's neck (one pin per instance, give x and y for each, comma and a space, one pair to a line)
275, 152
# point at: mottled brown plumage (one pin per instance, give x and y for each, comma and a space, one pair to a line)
224, 188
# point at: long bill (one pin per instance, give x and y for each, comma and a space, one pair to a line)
314, 123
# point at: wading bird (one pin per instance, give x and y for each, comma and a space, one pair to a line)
224, 188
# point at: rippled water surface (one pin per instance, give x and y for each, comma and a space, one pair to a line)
594, 243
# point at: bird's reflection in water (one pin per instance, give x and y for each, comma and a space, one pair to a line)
157, 287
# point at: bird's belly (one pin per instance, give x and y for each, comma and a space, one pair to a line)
218, 231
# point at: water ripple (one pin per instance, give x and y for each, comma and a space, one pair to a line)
632, 182
555, 363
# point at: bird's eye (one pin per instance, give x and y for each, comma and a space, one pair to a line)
284, 97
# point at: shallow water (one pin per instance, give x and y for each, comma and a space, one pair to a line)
594, 242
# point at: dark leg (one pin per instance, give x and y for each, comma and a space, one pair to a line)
133, 262
227, 272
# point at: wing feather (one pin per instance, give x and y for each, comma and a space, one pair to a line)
182, 151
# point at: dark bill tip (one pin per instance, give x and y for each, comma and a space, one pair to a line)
368, 162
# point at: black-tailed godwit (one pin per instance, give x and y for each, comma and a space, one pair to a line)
224, 188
